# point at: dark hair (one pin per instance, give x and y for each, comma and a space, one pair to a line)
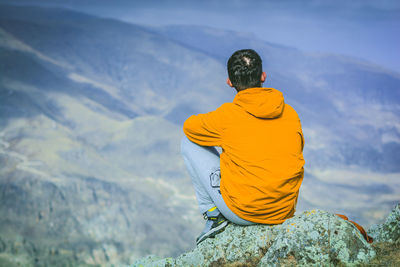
245, 69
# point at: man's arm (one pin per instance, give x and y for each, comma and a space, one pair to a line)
204, 129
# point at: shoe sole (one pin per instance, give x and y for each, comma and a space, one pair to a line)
213, 232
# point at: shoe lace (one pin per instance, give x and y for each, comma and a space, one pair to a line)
212, 218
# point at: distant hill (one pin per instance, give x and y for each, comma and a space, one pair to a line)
353, 95
91, 111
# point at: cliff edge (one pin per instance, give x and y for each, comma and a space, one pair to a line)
313, 237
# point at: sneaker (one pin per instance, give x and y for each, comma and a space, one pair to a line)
215, 224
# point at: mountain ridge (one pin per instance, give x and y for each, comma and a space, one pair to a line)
90, 123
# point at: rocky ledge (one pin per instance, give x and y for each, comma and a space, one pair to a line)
312, 238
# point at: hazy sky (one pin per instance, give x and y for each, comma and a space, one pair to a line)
367, 29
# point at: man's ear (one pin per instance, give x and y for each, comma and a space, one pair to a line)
263, 77
228, 82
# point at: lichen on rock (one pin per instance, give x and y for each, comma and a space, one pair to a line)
311, 238
389, 231
318, 238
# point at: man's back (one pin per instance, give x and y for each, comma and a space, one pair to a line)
262, 161
261, 164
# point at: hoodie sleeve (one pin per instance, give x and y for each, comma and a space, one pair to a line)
302, 139
204, 129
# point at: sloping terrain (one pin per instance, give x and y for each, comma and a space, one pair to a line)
81, 161
90, 125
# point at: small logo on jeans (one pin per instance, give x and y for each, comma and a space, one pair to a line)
215, 178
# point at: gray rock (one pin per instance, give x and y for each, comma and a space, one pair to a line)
389, 231
318, 238
311, 238
236, 244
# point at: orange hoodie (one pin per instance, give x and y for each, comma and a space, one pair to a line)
261, 160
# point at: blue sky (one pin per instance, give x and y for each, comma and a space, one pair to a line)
366, 29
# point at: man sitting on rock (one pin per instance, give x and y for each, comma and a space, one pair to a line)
256, 178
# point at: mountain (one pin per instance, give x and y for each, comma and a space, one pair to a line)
91, 111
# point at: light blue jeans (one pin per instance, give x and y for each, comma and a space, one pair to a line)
203, 166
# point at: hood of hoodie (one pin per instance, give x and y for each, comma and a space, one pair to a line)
265, 103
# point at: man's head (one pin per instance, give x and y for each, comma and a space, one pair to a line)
245, 70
